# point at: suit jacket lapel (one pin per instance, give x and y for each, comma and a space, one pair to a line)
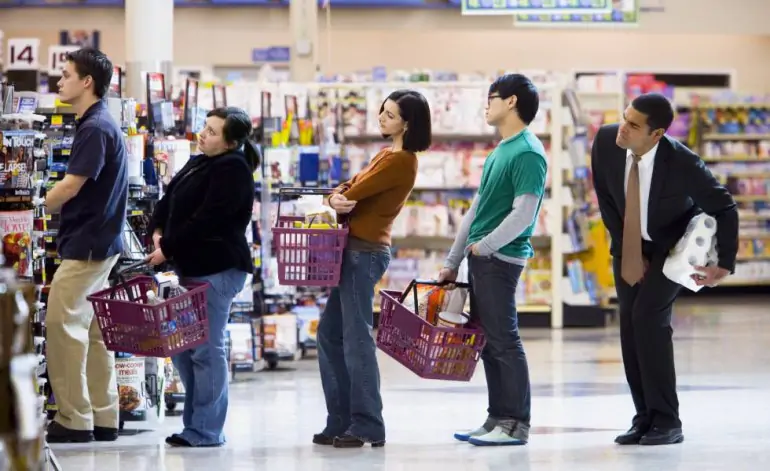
659, 171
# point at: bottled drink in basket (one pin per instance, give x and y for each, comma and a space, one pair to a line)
152, 298
187, 314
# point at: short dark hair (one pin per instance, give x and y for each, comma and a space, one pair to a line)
527, 97
237, 131
657, 108
90, 61
415, 111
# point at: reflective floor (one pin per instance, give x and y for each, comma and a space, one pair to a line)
580, 402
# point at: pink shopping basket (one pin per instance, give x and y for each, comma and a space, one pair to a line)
431, 352
307, 257
130, 325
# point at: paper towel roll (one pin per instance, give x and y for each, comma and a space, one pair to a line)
697, 247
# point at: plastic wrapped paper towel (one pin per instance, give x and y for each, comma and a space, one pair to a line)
697, 247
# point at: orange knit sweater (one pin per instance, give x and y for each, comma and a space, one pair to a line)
380, 190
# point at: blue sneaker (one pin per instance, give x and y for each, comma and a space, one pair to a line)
466, 435
506, 433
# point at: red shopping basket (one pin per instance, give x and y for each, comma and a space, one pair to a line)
307, 257
162, 330
431, 352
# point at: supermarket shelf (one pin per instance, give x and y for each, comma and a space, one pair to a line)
751, 198
445, 243
735, 158
534, 308
735, 137
574, 316
748, 174
439, 137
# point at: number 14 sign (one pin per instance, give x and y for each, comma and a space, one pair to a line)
23, 54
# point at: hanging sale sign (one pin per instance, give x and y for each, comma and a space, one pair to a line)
22, 54
57, 58
534, 7
623, 13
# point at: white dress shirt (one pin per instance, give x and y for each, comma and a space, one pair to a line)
646, 164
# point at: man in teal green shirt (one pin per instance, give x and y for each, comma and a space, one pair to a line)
495, 236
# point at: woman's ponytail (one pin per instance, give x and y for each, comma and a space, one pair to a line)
253, 155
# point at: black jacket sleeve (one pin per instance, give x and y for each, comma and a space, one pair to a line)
160, 215
611, 215
230, 185
716, 201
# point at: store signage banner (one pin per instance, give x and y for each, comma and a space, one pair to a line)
274, 54
623, 13
22, 54
535, 7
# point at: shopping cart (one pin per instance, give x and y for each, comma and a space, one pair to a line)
307, 256
430, 351
130, 325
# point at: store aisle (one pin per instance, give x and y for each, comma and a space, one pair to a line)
580, 403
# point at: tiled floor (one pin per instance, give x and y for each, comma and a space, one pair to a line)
580, 403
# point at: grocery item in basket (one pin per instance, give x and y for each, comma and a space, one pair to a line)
457, 298
316, 214
452, 319
164, 282
430, 301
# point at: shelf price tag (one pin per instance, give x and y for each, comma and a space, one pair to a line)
23, 54
57, 58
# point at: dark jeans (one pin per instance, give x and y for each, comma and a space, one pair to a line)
646, 342
493, 304
347, 351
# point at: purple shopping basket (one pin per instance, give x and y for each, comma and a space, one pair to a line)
307, 256
130, 325
431, 352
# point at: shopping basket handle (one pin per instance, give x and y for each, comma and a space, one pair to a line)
459, 284
300, 191
414, 284
132, 267
304, 190
119, 278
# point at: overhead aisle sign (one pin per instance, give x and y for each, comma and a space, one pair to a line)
622, 13
535, 7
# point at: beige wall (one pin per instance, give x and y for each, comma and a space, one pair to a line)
737, 39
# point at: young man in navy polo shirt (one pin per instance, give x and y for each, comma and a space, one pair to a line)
495, 235
92, 200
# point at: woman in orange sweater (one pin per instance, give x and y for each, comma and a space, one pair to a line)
372, 199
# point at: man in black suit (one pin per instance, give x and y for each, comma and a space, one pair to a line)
649, 187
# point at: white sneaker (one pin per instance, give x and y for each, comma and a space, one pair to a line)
466, 435
504, 434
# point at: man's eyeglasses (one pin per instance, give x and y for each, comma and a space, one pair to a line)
492, 97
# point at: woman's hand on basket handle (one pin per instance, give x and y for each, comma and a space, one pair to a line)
156, 236
341, 204
447, 275
156, 258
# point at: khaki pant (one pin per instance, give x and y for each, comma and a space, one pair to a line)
80, 369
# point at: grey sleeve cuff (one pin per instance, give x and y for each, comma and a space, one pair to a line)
522, 215
457, 252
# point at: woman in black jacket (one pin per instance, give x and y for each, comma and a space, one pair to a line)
200, 229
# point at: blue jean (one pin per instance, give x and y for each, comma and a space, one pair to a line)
347, 351
203, 370
493, 304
